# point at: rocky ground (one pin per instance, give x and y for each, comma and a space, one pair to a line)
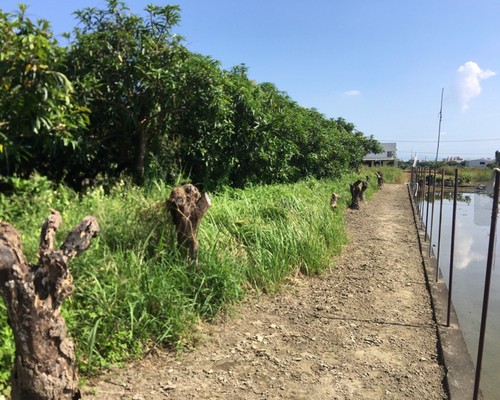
364, 330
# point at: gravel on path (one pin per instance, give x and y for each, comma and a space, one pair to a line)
362, 330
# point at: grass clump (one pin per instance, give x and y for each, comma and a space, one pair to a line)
390, 174
133, 288
468, 175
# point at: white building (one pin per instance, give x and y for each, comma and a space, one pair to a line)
387, 157
480, 162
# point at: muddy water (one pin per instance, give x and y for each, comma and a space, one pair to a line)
471, 251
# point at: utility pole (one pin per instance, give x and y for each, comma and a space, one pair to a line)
440, 119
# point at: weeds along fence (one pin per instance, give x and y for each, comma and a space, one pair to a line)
427, 187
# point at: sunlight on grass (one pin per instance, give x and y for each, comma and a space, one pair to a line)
134, 289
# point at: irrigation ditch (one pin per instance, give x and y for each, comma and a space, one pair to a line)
463, 375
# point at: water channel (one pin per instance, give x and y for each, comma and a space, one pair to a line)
473, 219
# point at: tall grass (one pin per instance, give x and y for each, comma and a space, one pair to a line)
469, 175
390, 174
133, 288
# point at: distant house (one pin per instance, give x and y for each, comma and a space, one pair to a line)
480, 162
387, 157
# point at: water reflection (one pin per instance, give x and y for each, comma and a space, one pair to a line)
465, 249
447, 195
471, 249
464, 195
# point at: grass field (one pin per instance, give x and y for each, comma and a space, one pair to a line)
133, 288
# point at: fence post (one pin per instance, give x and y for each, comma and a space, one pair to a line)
428, 184
440, 226
452, 251
489, 267
417, 189
421, 184
432, 211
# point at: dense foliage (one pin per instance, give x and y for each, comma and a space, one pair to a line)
38, 112
126, 97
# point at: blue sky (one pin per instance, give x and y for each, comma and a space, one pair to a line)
380, 64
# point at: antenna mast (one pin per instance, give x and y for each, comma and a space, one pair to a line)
440, 119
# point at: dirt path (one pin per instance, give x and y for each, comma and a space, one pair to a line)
362, 331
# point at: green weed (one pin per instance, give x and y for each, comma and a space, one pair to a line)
390, 174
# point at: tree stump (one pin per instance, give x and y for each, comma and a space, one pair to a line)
44, 366
357, 193
421, 186
380, 179
333, 201
364, 186
187, 207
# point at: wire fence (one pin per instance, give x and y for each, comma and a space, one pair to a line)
423, 184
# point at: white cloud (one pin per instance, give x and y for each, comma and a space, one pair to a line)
352, 93
468, 82
465, 255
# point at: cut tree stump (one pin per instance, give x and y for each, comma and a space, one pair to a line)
187, 207
380, 179
357, 193
333, 201
44, 366
364, 186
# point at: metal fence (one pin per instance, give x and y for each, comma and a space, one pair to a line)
423, 190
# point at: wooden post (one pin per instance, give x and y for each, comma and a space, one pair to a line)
187, 207
44, 366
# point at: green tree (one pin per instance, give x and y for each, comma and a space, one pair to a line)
262, 145
38, 112
156, 109
159, 110
127, 68
249, 145
358, 144
203, 124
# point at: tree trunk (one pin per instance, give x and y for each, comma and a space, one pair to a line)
141, 151
333, 201
187, 207
364, 186
44, 366
355, 194
380, 179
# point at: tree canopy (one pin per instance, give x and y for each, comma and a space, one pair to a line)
38, 111
127, 97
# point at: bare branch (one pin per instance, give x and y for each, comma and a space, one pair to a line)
79, 239
49, 230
